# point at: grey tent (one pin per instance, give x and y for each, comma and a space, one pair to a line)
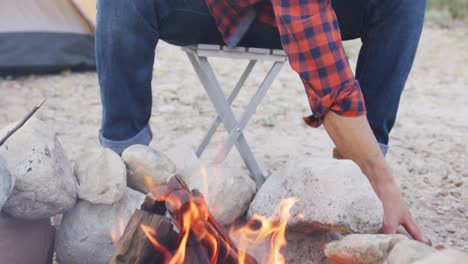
43, 36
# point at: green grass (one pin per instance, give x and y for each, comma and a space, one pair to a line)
443, 10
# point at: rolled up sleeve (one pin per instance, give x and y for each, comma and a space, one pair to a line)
311, 38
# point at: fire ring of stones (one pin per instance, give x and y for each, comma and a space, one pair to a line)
177, 209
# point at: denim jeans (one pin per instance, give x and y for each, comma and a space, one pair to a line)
129, 30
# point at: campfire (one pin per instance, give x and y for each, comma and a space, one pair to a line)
174, 226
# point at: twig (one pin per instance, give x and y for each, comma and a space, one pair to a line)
20, 124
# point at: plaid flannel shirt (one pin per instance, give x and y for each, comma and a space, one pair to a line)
311, 38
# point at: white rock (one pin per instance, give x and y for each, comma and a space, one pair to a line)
101, 175
6, 183
408, 251
333, 194
300, 248
362, 249
44, 182
447, 256
308, 248
85, 235
228, 191
183, 157
145, 163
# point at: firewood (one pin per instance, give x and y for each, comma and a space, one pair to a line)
135, 246
196, 253
151, 205
174, 200
228, 252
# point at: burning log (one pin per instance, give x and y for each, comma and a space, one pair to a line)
174, 225
135, 247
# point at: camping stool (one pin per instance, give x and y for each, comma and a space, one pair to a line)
198, 56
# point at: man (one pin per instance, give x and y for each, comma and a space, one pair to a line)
310, 32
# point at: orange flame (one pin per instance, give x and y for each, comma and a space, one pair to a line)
259, 230
204, 174
271, 230
151, 234
117, 232
149, 182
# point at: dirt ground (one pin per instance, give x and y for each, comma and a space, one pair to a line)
428, 145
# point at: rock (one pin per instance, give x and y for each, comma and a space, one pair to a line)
183, 157
85, 235
408, 251
6, 183
26, 241
44, 182
102, 176
228, 191
144, 163
333, 194
362, 249
446, 256
308, 248
300, 248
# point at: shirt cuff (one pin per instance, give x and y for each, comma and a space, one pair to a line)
143, 137
345, 100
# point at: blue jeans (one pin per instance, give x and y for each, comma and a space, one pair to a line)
129, 30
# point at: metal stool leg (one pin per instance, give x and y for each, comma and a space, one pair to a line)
213, 89
249, 111
231, 98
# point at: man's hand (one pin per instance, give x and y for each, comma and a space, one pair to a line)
396, 211
354, 140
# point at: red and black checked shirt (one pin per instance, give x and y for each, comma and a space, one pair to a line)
311, 38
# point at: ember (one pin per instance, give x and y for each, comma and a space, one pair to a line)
174, 226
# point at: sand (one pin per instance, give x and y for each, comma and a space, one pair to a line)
428, 144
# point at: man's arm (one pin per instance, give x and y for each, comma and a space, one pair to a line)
311, 38
354, 140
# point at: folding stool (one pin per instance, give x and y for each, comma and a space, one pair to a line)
198, 56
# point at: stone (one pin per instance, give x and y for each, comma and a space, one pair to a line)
308, 248
44, 181
183, 157
88, 233
300, 248
6, 183
228, 191
146, 166
333, 194
26, 241
446, 256
102, 176
408, 251
362, 249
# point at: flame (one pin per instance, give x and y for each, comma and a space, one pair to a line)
149, 182
194, 214
117, 232
151, 234
271, 230
204, 174
257, 231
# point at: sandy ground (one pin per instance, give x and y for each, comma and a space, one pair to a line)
428, 145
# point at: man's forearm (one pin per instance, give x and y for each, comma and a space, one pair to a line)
354, 140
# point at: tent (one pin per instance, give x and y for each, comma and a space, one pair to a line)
44, 36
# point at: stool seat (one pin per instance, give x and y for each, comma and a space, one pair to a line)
237, 52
